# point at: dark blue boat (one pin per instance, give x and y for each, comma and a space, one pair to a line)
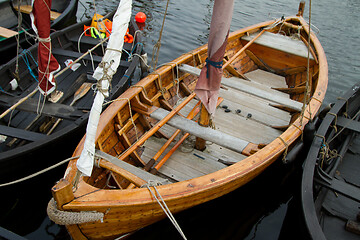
330, 182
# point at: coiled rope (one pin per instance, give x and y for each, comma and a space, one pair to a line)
69, 218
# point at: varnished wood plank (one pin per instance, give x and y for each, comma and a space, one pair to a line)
27, 9
7, 33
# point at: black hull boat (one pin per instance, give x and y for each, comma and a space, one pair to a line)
331, 182
63, 14
26, 135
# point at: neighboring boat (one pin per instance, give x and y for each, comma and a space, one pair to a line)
330, 189
23, 132
137, 161
63, 14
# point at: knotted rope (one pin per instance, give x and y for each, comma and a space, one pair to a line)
213, 64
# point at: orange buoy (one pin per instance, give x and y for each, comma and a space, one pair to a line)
140, 17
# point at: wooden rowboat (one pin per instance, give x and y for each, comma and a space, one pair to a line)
140, 159
63, 14
330, 192
26, 133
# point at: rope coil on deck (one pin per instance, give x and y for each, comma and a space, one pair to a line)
69, 218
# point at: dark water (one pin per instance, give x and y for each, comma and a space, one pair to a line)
255, 211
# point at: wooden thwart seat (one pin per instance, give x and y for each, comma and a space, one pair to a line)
281, 43
21, 134
27, 9
128, 168
7, 33
208, 134
252, 88
348, 123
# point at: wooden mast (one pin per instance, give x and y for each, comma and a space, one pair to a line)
204, 121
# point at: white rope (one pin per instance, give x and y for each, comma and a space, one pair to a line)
163, 205
38, 173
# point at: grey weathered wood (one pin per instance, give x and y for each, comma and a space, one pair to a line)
208, 134
21, 134
267, 78
253, 88
49, 109
281, 43
184, 165
130, 168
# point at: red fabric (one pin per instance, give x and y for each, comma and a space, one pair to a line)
48, 65
207, 89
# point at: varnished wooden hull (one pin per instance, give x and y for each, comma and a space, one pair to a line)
127, 210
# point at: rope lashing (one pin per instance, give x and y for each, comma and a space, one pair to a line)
143, 88
105, 76
163, 205
130, 112
212, 63
335, 122
286, 149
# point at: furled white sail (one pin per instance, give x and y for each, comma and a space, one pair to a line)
103, 73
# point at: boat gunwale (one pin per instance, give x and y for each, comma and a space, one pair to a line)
230, 177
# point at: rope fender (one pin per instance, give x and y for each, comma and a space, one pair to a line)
68, 218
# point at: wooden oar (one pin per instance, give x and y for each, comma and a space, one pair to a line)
81, 92
156, 127
152, 161
242, 49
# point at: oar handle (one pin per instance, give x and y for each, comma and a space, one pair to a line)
18, 103
152, 161
155, 128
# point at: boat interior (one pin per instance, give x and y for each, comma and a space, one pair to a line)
262, 93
